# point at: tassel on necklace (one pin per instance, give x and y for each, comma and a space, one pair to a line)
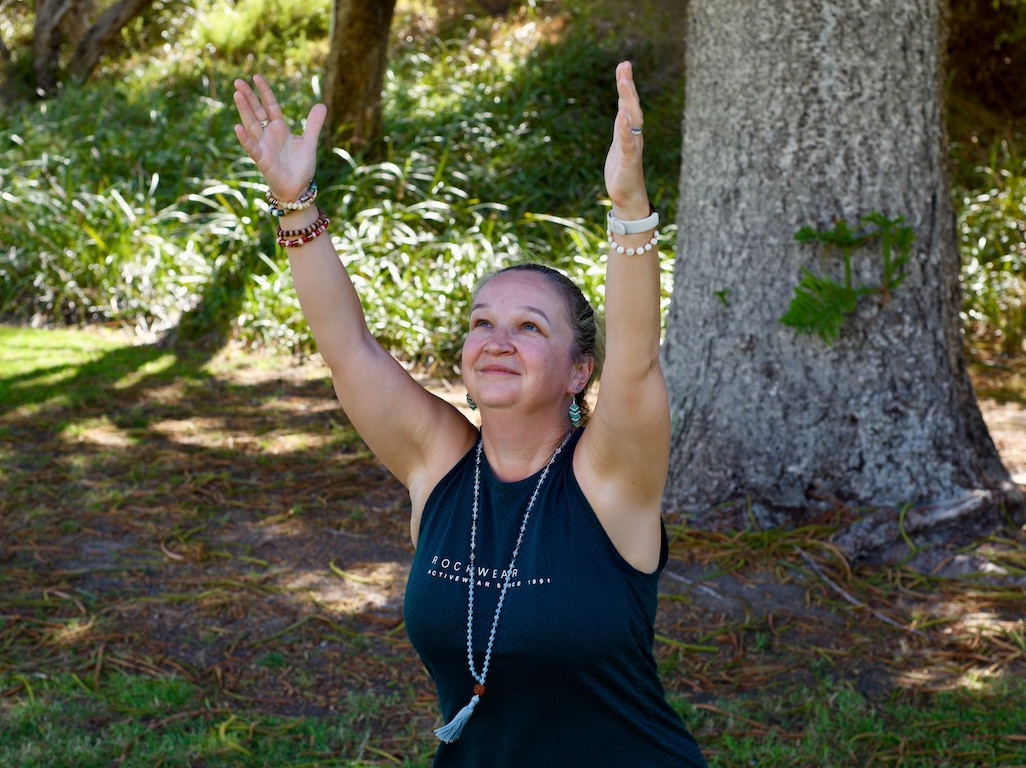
452, 730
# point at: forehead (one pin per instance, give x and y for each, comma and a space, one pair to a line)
520, 285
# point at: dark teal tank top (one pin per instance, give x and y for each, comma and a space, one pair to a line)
572, 679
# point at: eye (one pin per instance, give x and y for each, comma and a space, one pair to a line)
479, 322
529, 326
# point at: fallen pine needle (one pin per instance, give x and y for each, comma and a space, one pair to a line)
858, 603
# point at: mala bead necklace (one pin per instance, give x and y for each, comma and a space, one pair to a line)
450, 732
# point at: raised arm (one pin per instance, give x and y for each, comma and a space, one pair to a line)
412, 432
624, 464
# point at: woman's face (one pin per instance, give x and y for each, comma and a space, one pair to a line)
519, 347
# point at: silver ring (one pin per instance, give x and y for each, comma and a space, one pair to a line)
264, 123
636, 131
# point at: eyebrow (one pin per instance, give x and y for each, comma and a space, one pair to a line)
524, 307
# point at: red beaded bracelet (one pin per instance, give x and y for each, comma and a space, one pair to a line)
322, 219
298, 237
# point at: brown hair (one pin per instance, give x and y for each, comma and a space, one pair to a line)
588, 333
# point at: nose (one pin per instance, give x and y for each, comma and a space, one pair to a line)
499, 341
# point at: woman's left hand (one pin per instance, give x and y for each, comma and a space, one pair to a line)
624, 171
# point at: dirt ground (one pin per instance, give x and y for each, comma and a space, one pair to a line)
235, 531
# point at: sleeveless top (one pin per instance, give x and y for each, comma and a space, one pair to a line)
572, 680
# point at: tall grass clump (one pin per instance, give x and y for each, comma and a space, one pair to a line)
992, 229
99, 229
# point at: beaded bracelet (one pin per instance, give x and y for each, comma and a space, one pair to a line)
294, 238
633, 251
279, 208
321, 219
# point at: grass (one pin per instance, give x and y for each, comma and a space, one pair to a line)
131, 720
203, 566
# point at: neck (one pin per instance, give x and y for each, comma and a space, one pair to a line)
514, 454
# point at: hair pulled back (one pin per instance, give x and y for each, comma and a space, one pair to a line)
588, 335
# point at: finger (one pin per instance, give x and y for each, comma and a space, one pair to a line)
245, 138
270, 103
243, 89
628, 143
245, 102
314, 122
628, 94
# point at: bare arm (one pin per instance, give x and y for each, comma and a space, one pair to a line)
624, 465
415, 434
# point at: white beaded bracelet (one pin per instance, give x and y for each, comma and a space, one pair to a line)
632, 251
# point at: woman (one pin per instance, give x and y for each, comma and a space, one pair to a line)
532, 595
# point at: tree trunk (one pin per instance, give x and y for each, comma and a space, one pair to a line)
104, 32
807, 113
355, 69
47, 36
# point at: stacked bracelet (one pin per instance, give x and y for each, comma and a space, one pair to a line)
279, 208
293, 238
616, 227
633, 251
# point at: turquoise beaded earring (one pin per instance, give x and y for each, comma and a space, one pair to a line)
575, 413
471, 403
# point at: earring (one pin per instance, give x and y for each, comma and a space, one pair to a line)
575, 414
471, 403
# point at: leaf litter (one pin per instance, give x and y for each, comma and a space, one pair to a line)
228, 527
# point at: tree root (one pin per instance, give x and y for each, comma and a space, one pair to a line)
891, 535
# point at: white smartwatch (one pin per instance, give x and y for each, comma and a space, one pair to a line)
638, 226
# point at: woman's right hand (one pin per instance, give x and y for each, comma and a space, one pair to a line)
287, 162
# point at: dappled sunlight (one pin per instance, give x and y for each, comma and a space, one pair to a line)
211, 432
73, 632
1007, 423
99, 432
359, 588
155, 367
935, 679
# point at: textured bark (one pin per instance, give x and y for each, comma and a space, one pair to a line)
47, 36
806, 113
355, 69
100, 36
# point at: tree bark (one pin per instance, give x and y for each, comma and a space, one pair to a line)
355, 69
797, 114
100, 36
47, 36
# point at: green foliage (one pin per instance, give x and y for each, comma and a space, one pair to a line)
264, 29
821, 304
494, 144
493, 155
992, 230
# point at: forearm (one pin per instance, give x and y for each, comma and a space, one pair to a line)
326, 293
633, 311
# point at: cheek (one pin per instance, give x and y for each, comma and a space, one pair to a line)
470, 347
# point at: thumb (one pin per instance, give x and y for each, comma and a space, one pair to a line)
315, 122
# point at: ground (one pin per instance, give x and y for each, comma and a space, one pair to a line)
222, 522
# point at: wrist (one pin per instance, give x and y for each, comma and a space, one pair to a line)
297, 219
280, 207
619, 222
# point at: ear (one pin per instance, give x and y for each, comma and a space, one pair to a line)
581, 374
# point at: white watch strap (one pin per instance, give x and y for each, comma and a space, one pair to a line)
618, 227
